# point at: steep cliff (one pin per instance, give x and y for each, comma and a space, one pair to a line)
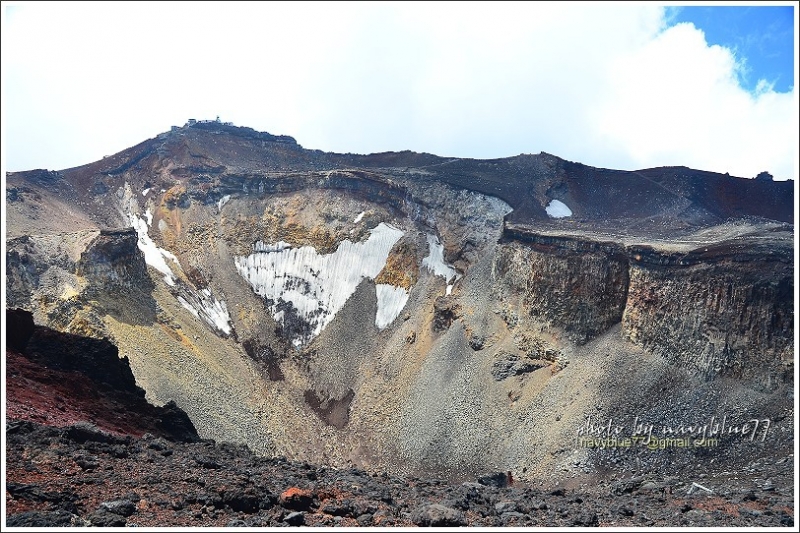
577, 285
723, 309
717, 302
60, 379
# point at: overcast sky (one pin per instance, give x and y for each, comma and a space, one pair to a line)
610, 85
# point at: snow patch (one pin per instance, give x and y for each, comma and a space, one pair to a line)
204, 306
153, 255
215, 312
201, 304
359, 217
435, 259
222, 201
391, 301
188, 307
149, 216
316, 285
558, 209
144, 192
448, 290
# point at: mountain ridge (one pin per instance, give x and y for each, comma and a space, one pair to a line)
480, 339
565, 178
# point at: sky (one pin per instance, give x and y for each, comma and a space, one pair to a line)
614, 85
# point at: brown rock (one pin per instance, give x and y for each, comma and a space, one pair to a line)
296, 499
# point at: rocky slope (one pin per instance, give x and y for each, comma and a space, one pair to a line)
418, 315
89, 478
84, 449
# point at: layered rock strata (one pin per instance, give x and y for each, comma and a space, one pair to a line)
720, 309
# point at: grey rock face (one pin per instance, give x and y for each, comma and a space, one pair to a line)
508, 364
437, 515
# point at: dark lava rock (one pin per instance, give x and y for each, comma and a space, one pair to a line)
85, 461
176, 424
19, 328
98, 359
382, 518
207, 462
45, 519
241, 501
119, 507
508, 364
625, 511
446, 309
65, 501
498, 479
505, 507
82, 432
364, 520
338, 508
541, 505
586, 518
245, 483
477, 342
437, 515
296, 518
157, 444
103, 518
511, 516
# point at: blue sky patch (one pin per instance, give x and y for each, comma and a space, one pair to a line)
761, 36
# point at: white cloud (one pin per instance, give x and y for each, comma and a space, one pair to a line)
677, 101
603, 84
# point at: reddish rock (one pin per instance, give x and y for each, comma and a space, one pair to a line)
61, 379
296, 499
